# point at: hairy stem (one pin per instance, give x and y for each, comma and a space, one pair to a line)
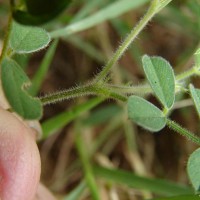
153, 9
128, 90
186, 74
95, 89
182, 131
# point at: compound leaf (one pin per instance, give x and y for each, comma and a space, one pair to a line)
28, 39
15, 82
161, 78
194, 170
145, 114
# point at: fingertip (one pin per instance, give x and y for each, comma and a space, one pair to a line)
19, 159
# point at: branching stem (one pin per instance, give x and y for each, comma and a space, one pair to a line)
96, 89
153, 9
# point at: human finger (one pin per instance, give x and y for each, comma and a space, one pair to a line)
19, 159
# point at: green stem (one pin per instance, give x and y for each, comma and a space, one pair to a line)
96, 89
117, 92
186, 74
128, 90
107, 91
182, 131
84, 157
66, 94
153, 9
7, 36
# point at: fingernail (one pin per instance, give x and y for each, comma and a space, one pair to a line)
35, 125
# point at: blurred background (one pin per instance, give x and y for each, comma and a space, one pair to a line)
109, 139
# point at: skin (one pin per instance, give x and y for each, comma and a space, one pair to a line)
20, 165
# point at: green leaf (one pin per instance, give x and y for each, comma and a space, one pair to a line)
15, 82
22, 60
158, 186
193, 169
36, 12
46, 7
161, 78
28, 39
145, 114
181, 197
195, 94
